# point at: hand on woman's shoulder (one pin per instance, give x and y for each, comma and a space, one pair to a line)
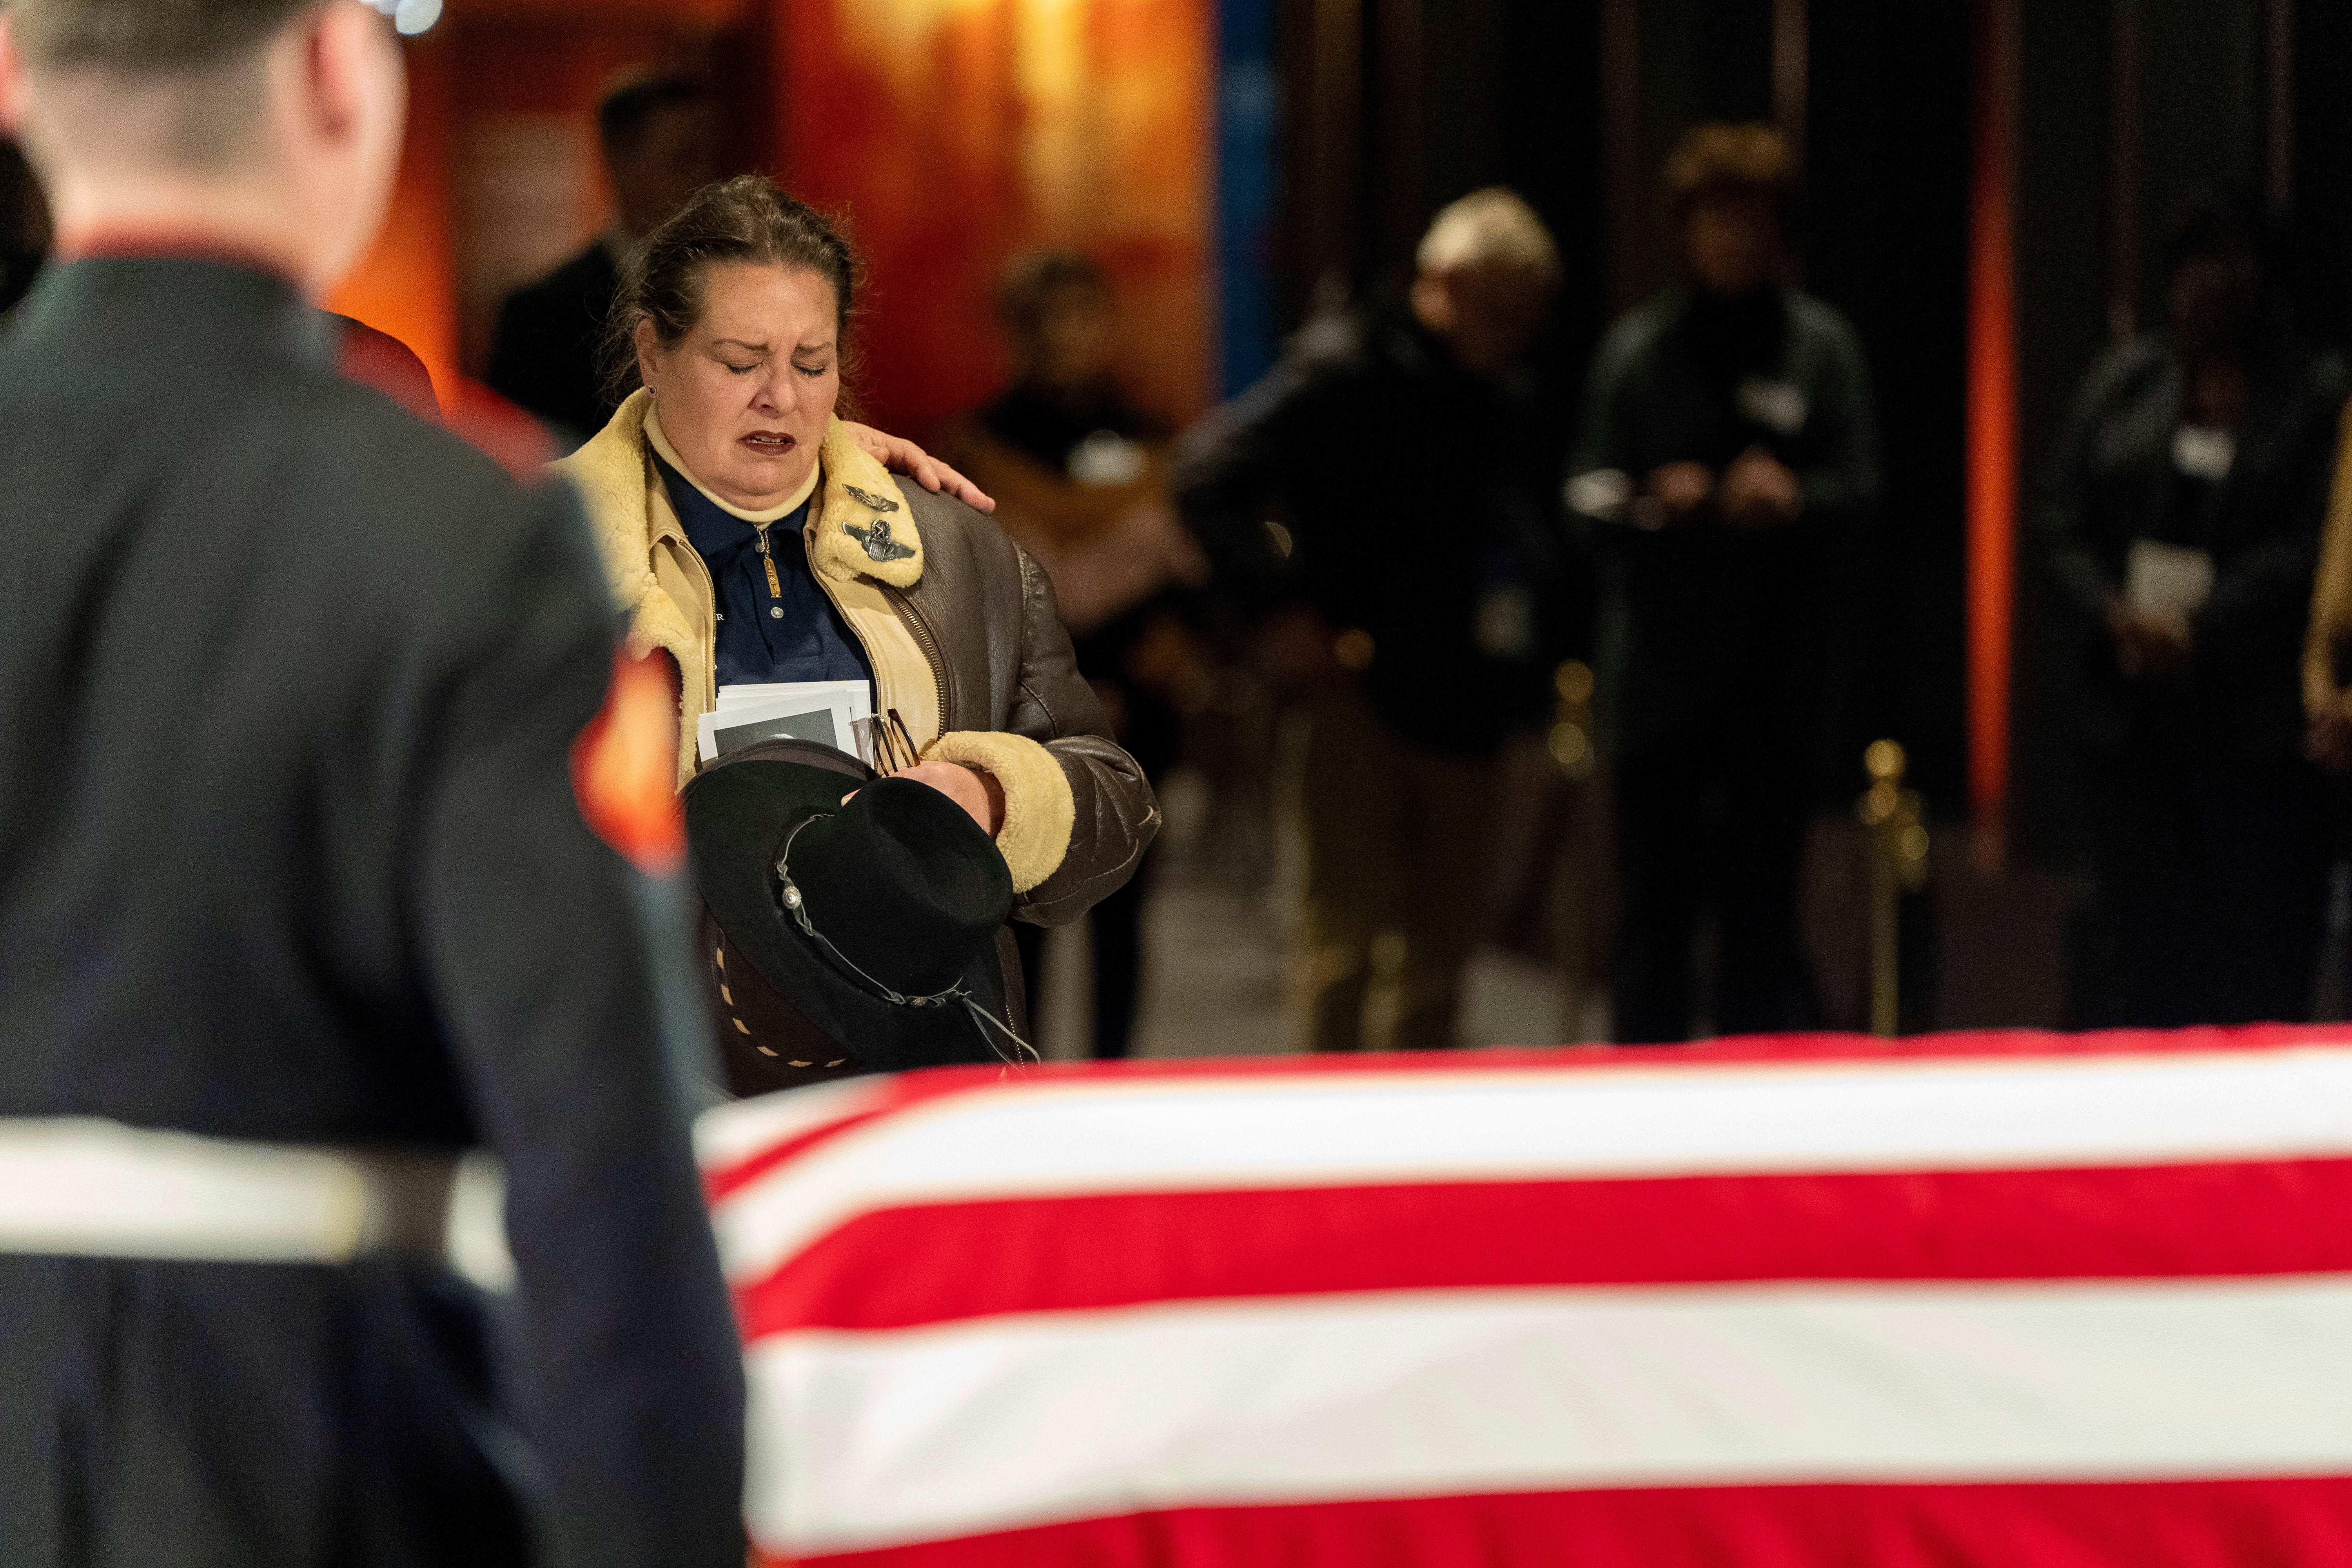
901, 455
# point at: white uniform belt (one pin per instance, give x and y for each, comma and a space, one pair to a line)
88, 1188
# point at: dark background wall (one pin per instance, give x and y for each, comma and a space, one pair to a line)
1886, 241
2064, 241
1394, 108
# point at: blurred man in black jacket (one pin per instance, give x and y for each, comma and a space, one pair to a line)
2182, 520
24, 230
660, 140
1386, 488
1727, 456
297, 900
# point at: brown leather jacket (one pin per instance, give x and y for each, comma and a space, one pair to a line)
958, 623
983, 614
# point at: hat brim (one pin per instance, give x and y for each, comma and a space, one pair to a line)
738, 813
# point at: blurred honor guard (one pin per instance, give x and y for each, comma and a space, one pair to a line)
1727, 456
307, 713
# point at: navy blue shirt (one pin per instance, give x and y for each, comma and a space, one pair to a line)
799, 635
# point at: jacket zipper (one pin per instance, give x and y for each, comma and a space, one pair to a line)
897, 600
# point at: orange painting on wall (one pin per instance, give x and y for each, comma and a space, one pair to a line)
957, 135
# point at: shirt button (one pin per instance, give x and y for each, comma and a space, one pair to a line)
775, 612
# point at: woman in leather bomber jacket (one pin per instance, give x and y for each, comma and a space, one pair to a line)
746, 535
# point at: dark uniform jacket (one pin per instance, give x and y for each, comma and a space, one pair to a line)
2113, 480
288, 852
1418, 506
1706, 625
544, 355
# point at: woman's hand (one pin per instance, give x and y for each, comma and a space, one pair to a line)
976, 791
901, 455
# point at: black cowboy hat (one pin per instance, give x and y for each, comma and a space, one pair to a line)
868, 928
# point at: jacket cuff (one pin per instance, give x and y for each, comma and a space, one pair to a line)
1039, 811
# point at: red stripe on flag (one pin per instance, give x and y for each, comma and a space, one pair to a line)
898, 1267
2306, 1523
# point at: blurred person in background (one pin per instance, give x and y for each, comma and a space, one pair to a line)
24, 230
2182, 521
751, 539
659, 136
378, 359
298, 900
1080, 477
2328, 642
1725, 456
1385, 494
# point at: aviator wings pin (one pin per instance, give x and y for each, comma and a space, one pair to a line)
880, 545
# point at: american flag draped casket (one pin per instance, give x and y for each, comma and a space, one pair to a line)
1994, 1300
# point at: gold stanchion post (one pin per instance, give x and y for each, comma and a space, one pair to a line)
1576, 922
1898, 864
1571, 741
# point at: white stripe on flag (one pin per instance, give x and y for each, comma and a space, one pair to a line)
863, 1439
1147, 1134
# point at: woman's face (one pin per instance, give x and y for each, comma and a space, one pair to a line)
745, 395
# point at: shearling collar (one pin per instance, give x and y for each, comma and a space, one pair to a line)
859, 527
